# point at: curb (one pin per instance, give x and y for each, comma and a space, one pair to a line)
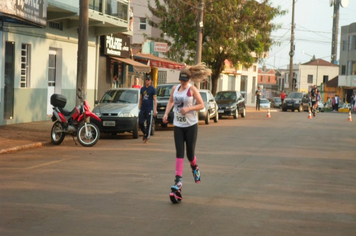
26, 146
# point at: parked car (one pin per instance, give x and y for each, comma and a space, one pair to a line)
293, 102
118, 111
230, 103
163, 94
264, 103
276, 102
210, 109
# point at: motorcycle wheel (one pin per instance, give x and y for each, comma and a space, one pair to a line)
93, 135
57, 134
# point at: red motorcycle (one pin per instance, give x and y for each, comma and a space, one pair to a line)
75, 122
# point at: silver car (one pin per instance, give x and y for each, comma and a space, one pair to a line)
210, 109
118, 111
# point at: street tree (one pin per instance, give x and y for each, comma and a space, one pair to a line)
234, 30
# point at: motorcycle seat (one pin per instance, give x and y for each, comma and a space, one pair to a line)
68, 113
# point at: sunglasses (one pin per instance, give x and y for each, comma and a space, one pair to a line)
148, 79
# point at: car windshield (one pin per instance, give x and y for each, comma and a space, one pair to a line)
277, 99
164, 91
295, 95
120, 96
225, 96
264, 101
203, 96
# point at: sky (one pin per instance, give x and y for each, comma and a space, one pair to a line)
313, 31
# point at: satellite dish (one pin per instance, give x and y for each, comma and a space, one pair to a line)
344, 3
331, 2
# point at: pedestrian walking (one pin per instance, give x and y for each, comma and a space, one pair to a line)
258, 95
336, 102
148, 104
186, 101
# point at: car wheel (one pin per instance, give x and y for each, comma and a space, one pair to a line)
236, 115
243, 114
207, 118
300, 108
216, 118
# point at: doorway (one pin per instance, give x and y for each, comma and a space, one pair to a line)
54, 79
9, 80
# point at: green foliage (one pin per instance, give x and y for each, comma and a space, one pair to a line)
237, 30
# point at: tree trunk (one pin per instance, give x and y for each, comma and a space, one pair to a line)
82, 61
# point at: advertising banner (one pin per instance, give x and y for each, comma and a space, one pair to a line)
26, 11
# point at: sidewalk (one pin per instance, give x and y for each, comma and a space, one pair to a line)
36, 134
25, 135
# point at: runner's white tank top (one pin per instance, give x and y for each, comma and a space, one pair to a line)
183, 99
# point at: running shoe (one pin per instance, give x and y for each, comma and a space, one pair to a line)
178, 184
196, 174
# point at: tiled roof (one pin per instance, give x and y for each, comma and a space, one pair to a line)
319, 62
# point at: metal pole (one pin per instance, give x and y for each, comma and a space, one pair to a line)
335, 30
82, 61
200, 26
291, 52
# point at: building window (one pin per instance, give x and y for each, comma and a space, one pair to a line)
231, 82
261, 78
325, 78
162, 77
344, 45
143, 23
56, 25
310, 79
243, 84
52, 68
25, 65
269, 79
350, 42
254, 68
343, 70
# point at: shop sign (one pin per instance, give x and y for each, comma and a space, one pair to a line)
160, 47
117, 46
33, 11
167, 65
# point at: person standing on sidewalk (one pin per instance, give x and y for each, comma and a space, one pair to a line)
137, 83
186, 101
148, 103
258, 95
283, 96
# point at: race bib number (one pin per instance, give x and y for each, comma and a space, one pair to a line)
180, 118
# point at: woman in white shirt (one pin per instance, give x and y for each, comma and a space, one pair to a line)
186, 101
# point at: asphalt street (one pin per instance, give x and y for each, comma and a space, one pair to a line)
284, 175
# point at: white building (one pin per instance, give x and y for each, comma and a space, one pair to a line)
347, 77
40, 57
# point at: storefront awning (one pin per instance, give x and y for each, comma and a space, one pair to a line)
159, 62
137, 66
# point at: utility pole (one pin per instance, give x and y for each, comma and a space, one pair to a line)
291, 52
200, 26
335, 37
82, 58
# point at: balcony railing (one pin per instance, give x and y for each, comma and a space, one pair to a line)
115, 8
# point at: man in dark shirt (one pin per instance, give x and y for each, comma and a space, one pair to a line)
148, 104
258, 94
